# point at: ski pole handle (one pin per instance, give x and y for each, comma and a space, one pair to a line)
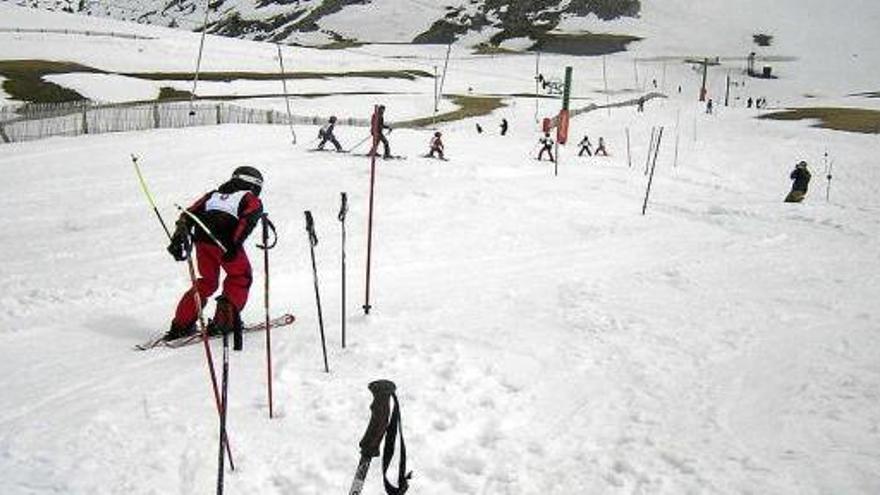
310, 228
268, 226
379, 411
343, 207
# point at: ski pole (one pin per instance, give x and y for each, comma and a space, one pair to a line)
137, 169
535, 149
828, 186
197, 299
209, 357
202, 226
223, 409
369, 444
313, 241
653, 166
362, 141
343, 210
650, 150
266, 246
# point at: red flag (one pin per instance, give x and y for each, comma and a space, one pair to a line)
562, 129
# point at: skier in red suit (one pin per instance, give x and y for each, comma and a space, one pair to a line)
230, 212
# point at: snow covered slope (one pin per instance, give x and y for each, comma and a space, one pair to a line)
546, 337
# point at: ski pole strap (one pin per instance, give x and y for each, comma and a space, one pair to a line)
202, 226
382, 390
343, 207
268, 226
395, 426
310, 228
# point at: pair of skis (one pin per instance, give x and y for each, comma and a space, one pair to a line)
158, 341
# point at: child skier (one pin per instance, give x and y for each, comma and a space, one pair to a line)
801, 177
600, 148
503, 126
546, 145
230, 212
585, 146
437, 145
326, 134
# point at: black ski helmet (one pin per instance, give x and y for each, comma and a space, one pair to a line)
437, 134
332, 118
248, 178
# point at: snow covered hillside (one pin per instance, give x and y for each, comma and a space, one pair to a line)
323, 21
544, 335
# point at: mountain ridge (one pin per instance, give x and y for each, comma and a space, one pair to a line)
322, 22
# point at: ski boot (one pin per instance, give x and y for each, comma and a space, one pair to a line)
226, 320
179, 331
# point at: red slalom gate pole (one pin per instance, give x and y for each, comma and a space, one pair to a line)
266, 246
375, 130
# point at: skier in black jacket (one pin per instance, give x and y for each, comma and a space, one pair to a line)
801, 177
546, 146
585, 146
326, 134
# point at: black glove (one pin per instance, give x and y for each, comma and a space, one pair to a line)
180, 242
231, 252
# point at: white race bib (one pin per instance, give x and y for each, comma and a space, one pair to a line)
228, 203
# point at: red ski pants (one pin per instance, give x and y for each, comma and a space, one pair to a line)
236, 285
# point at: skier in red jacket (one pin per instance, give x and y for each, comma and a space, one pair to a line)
230, 212
437, 145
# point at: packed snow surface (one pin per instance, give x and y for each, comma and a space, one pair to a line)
545, 336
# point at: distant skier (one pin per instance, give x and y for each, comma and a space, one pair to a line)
230, 212
479, 129
437, 146
600, 148
709, 106
641, 104
325, 133
801, 177
585, 146
749, 102
379, 125
546, 146
503, 127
